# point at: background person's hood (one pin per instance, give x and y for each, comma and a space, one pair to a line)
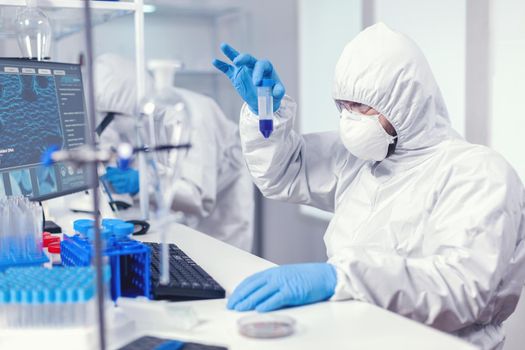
116, 84
388, 72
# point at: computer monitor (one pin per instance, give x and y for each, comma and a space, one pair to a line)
41, 104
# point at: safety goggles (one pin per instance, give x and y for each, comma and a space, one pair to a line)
352, 106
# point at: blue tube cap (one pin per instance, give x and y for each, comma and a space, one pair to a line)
123, 230
110, 223
83, 225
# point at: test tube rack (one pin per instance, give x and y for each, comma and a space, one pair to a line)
14, 260
129, 261
35, 297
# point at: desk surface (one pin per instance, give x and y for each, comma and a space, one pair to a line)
327, 325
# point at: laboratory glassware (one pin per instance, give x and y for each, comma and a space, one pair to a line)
34, 32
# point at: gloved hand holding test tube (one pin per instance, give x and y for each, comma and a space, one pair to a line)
256, 81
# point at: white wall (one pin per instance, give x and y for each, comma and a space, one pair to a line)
438, 27
508, 115
325, 27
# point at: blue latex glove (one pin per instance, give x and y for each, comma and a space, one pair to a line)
287, 285
123, 181
247, 73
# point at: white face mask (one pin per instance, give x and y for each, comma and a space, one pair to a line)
364, 136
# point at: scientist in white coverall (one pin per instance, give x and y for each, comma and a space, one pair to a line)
214, 190
425, 224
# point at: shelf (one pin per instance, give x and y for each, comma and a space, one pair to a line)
74, 4
198, 8
67, 16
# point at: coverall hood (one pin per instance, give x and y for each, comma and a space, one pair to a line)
387, 71
116, 84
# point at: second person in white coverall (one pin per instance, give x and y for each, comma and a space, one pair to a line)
425, 224
214, 190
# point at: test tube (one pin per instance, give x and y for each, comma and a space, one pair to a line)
38, 225
54, 253
19, 228
7, 228
49, 239
265, 106
164, 260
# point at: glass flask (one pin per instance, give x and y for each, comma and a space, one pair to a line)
34, 32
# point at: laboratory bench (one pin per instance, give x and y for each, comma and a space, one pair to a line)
326, 325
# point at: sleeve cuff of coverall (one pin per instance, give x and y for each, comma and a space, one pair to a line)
343, 288
286, 109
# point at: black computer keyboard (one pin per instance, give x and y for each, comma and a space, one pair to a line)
188, 281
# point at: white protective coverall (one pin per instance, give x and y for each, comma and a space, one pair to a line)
435, 232
214, 190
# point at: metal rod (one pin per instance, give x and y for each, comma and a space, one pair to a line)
92, 169
141, 91
159, 148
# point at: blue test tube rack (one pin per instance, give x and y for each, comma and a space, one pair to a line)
12, 259
35, 297
129, 260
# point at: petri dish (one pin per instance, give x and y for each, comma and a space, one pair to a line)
266, 326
